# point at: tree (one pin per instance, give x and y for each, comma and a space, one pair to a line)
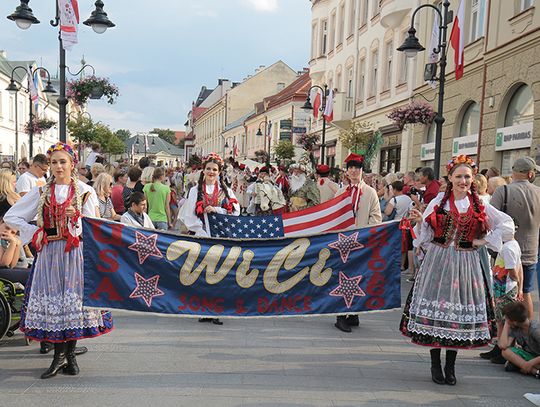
357, 137
166, 134
81, 130
284, 150
123, 134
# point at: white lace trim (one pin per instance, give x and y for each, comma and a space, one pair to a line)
449, 333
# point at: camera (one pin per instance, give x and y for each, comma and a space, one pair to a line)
415, 191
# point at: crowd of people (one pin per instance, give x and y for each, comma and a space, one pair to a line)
469, 239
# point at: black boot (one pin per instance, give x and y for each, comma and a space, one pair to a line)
496, 351
352, 320
216, 321
72, 368
45, 347
341, 324
436, 370
80, 350
449, 367
59, 360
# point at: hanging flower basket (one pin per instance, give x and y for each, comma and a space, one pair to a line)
416, 112
91, 87
38, 126
308, 141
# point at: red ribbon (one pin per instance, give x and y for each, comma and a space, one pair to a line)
39, 239
405, 224
229, 205
199, 208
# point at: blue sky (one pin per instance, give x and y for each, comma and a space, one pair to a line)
162, 51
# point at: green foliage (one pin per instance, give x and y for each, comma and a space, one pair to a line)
165, 134
358, 136
80, 89
123, 134
81, 129
284, 150
84, 130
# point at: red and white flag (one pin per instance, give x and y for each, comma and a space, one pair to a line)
69, 20
335, 214
433, 56
457, 39
317, 104
33, 91
329, 108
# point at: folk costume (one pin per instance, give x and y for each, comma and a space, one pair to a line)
327, 187
53, 309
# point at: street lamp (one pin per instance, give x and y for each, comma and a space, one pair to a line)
24, 18
226, 145
259, 133
411, 46
137, 143
309, 106
14, 89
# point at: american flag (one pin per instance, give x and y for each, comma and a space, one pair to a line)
335, 214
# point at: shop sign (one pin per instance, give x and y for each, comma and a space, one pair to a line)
427, 152
514, 137
299, 130
465, 145
301, 118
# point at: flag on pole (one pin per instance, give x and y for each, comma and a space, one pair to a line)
69, 20
235, 148
145, 143
433, 56
329, 108
317, 104
457, 39
33, 90
269, 130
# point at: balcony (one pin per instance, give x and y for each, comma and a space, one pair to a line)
317, 68
343, 108
393, 11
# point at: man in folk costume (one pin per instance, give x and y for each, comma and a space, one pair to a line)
327, 187
303, 191
269, 199
282, 180
367, 212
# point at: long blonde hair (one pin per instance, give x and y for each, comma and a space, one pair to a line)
102, 181
6, 186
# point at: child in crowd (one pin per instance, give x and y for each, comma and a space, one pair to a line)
520, 341
507, 287
10, 246
136, 214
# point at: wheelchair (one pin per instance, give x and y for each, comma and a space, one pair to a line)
11, 303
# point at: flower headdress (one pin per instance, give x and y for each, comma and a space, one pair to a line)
215, 158
62, 147
458, 160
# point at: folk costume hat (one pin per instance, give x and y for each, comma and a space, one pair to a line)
62, 147
461, 159
354, 160
323, 170
214, 157
304, 164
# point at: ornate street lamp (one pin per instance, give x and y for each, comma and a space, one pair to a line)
24, 18
411, 46
259, 134
309, 106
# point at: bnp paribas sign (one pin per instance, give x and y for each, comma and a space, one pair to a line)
465, 145
514, 137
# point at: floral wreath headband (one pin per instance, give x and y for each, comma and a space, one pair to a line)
62, 147
214, 157
461, 159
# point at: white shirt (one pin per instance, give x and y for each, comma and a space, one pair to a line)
27, 181
127, 219
511, 255
402, 204
25, 210
91, 159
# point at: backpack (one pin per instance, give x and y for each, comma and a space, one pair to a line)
393, 213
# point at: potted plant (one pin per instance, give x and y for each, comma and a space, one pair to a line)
38, 126
93, 87
308, 141
416, 112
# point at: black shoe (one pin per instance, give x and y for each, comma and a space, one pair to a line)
510, 367
498, 360
45, 347
352, 320
205, 319
437, 375
72, 368
496, 351
342, 325
80, 350
59, 361
216, 321
449, 368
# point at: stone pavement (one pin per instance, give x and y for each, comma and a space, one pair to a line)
164, 361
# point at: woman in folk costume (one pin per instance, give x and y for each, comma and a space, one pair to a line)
450, 305
53, 309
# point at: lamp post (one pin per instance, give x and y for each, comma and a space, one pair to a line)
98, 20
137, 143
411, 46
14, 89
266, 124
226, 145
309, 106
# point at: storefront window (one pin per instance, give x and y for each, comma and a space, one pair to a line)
390, 159
520, 108
470, 123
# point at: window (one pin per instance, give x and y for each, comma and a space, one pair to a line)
374, 8
332, 31
388, 73
525, 4
361, 78
403, 63
365, 13
478, 10
1, 107
470, 123
314, 40
285, 127
374, 72
341, 28
352, 14
21, 112
520, 108
338, 81
390, 159
324, 37
350, 83
11, 108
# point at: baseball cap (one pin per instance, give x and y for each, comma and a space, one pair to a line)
525, 164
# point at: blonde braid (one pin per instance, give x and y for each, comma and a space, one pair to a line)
42, 199
78, 198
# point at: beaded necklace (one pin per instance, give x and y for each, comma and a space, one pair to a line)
57, 212
460, 223
213, 199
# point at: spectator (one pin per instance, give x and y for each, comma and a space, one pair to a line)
481, 188
521, 200
8, 165
103, 185
144, 162
158, 196
399, 201
23, 167
494, 183
520, 330
93, 156
133, 184
136, 214
10, 246
146, 176
83, 173
408, 181
120, 179
35, 176
96, 169
492, 172
427, 178
8, 196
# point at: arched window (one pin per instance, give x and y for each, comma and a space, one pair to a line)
520, 108
470, 123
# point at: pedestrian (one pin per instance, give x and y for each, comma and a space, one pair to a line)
93, 156
136, 215
327, 187
103, 185
53, 308
482, 186
158, 196
95, 170
35, 176
8, 196
367, 211
521, 200
133, 184
22, 167
120, 179
432, 186
449, 305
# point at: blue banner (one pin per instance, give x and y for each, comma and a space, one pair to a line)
154, 271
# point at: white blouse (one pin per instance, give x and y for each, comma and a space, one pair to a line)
192, 222
25, 210
499, 223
